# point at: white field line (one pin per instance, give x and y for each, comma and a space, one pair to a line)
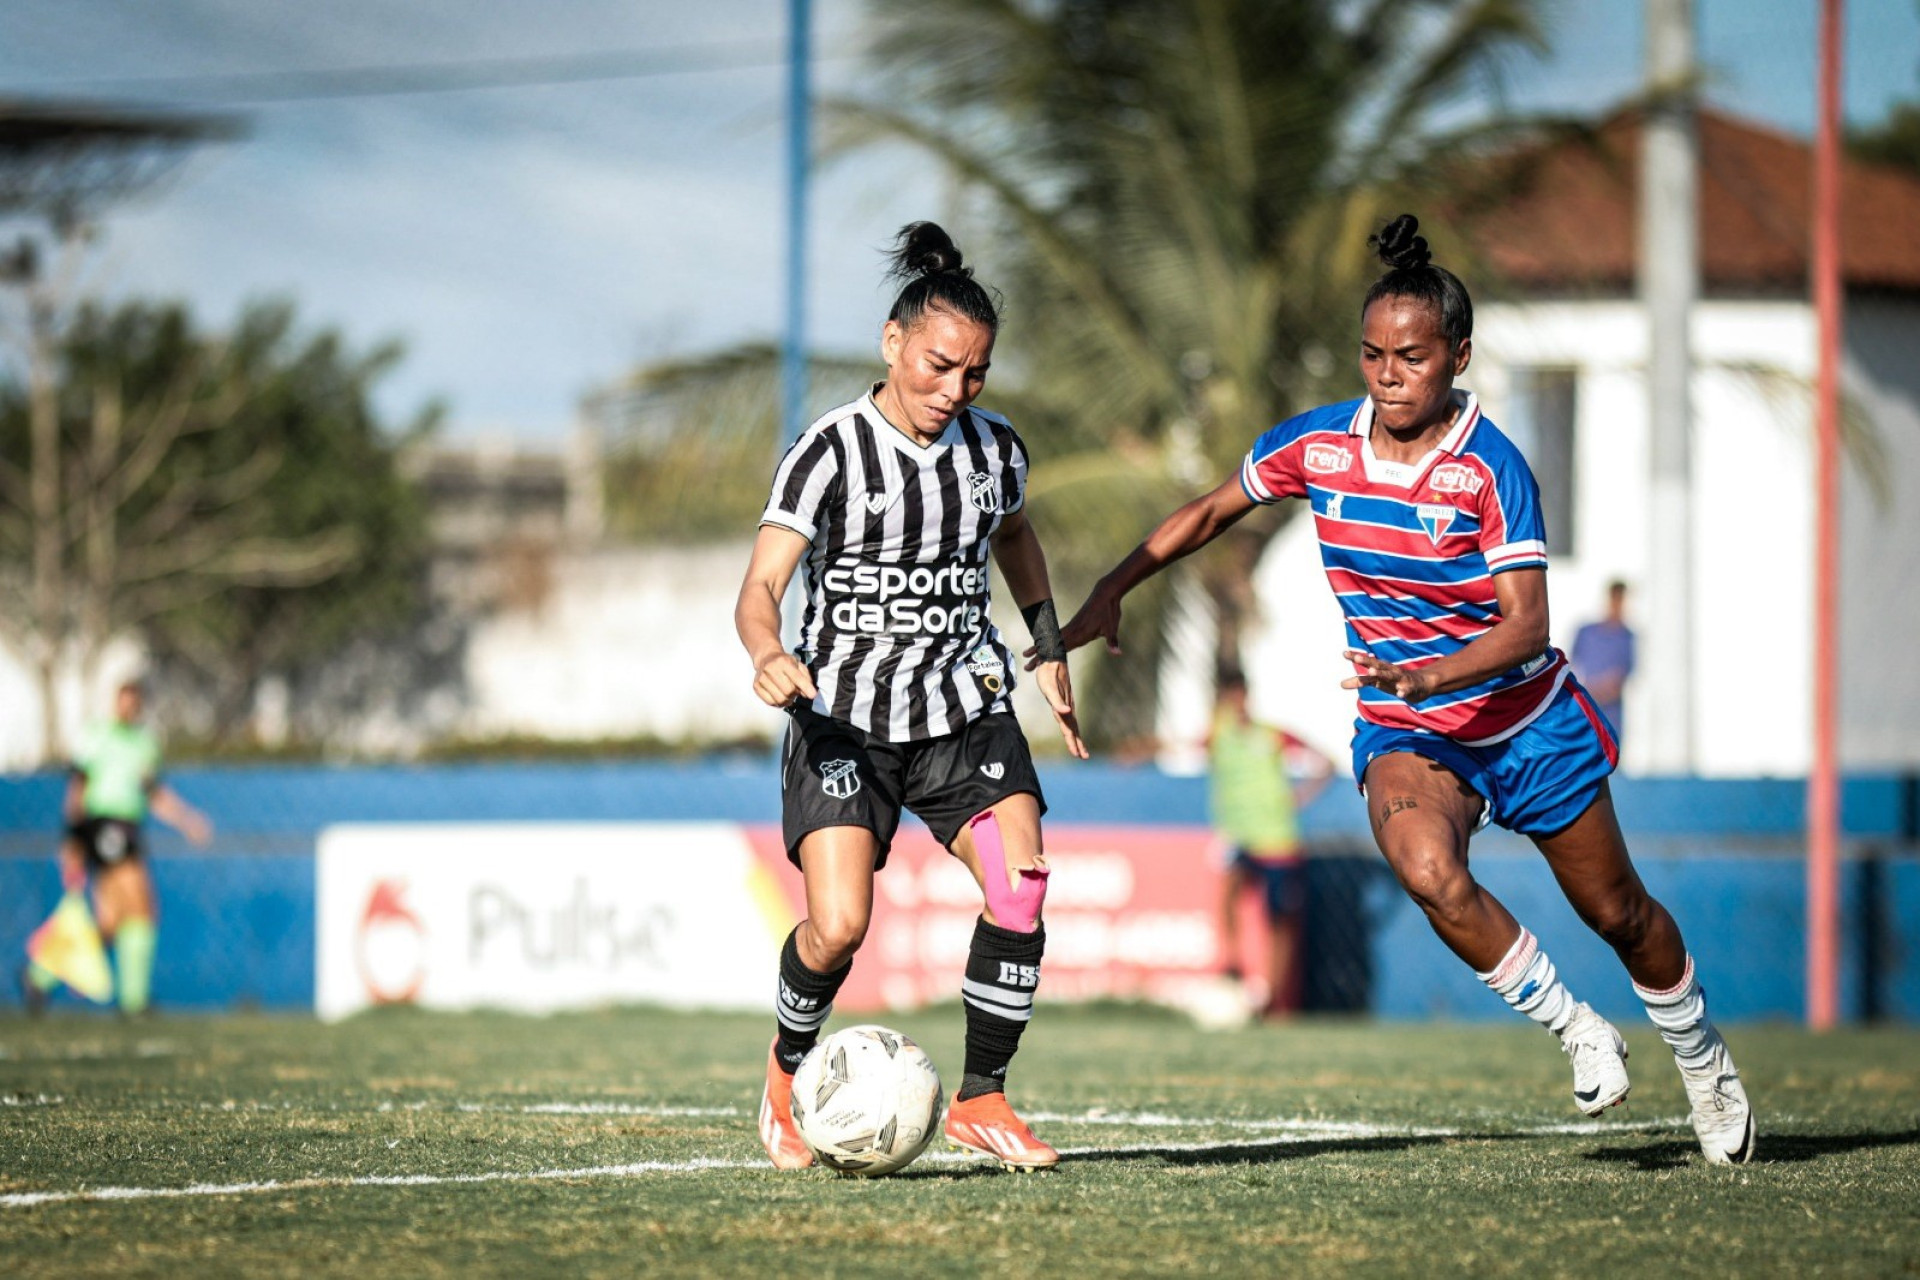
1097, 1116
1285, 1131
94, 1052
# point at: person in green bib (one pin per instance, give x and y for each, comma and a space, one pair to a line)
113, 786
1255, 816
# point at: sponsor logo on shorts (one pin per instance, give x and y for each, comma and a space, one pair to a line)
109, 842
1328, 459
996, 770
839, 778
982, 492
1456, 478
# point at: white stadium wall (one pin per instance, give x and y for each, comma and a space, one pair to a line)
1880, 601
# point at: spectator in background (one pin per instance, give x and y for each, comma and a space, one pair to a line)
1253, 803
115, 782
1603, 655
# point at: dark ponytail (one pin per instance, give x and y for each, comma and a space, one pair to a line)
1411, 274
929, 262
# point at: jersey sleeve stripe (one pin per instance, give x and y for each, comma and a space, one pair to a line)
1250, 483
1516, 555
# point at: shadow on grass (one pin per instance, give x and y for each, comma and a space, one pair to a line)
1786, 1148
1271, 1152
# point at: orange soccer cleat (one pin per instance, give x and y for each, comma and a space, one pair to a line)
988, 1125
777, 1131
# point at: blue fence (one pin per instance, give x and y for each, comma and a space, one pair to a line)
237, 927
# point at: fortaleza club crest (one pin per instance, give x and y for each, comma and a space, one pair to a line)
982, 491
1435, 519
839, 778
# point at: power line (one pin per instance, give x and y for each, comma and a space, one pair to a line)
261, 87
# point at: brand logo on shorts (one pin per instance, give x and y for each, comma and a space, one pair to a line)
996, 770
982, 491
1327, 459
110, 842
839, 778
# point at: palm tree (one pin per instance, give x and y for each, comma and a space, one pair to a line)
1176, 195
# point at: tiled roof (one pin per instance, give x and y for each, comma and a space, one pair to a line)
1573, 224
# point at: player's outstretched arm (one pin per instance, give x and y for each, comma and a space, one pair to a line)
1184, 532
167, 806
779, 678
1016, 549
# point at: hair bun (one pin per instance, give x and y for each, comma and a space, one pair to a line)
1400, 245
924, 249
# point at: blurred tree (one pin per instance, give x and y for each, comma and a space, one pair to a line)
233, 500
62, 166
690, 445
1178, 195
1895, 140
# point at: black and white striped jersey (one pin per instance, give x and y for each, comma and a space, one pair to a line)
896, 631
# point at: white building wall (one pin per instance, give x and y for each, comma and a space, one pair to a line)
627, 641
1880, 540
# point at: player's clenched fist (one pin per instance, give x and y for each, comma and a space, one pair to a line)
782, 680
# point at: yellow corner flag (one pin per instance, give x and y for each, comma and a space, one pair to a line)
68, 946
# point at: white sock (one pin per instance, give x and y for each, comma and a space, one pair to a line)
1681, 1014
1525, 979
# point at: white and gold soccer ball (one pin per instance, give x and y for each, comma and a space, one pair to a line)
867, 1101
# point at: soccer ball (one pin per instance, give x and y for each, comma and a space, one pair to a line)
867, 1101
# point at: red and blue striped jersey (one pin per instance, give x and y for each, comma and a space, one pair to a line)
1411, 551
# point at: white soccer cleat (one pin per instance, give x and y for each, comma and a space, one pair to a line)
1599, 1061
1722, 1118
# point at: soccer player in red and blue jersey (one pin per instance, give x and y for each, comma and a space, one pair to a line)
1430, 529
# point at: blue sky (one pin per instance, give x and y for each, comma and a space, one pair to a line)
528, 243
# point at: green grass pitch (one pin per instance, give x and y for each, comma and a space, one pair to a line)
623, 1142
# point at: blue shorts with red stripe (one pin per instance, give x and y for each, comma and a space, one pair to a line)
1535, 782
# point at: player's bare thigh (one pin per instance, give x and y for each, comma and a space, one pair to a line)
122, 892
837, 863
1423, 814
1418, 807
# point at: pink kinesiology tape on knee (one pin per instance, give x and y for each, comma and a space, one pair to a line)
1015, 909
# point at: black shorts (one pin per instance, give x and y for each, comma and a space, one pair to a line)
838, 775
1283, 882
107, 842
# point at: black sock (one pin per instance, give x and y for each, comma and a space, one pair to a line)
1003, 971
805, 999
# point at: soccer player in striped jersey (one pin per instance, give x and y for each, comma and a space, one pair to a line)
1430, 530
899, 689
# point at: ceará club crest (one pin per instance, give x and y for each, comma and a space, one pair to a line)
982, 491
